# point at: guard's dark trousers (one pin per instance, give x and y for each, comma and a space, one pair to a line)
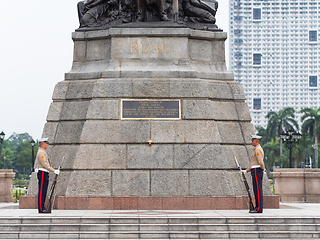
257, 175
43, 178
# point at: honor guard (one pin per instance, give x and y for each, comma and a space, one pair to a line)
256, 168
43, 169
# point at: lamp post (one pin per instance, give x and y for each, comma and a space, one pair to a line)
290, 138
2, 134
32, 142
315, 147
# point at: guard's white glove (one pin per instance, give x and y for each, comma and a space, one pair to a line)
36, 170
243, 171
56, 172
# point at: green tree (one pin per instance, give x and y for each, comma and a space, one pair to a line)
283, 161
24, 157
261, 131
310, 126
271, 153
1, 155
16, 138
8, 154
301, 150
278, 122
18, 153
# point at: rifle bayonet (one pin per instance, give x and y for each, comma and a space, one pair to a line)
52, 197
246, 185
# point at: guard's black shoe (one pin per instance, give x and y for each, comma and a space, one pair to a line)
43, 211
255, 211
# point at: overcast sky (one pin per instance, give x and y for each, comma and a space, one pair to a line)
36, 51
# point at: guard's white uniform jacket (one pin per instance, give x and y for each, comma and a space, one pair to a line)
43, 160
256, 159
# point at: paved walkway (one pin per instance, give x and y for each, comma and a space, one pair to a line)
286, 210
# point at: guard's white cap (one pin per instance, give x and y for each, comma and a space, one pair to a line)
255, 137
46, 140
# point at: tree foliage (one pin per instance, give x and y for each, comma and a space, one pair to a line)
278, 122
284, 120
310, 127
311, 122
261, 131
17, 153
303, 150
272, 151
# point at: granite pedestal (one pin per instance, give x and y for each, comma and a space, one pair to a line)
6, 176
112, 163
297, 185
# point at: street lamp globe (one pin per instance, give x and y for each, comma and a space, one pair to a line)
2, 134
32, 142
290, 138
290, 132
284, 135
297, 136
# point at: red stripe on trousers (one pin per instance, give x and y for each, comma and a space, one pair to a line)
41, 191
255, 173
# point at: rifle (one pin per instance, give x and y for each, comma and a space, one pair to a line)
246, 185
51, 198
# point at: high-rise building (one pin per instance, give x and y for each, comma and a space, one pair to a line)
275, 54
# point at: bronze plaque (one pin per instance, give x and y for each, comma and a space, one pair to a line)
150, 109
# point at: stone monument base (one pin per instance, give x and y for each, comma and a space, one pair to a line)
297, 185
150, 203
151, 155
6, 176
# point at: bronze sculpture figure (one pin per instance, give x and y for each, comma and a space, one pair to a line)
94, 13
141, 8
103, 14
202, 11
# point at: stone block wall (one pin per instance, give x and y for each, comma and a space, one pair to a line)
297, 185
110, 157
6, 176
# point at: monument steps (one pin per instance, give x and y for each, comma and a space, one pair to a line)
159, 228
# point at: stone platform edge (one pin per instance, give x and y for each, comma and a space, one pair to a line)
149, 203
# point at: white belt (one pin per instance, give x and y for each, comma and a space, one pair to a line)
256, 166
43, 169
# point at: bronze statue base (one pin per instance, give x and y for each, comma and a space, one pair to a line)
155, 24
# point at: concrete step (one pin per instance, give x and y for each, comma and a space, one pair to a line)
161, 235
73, 220
159, 228
177, 235
163, 220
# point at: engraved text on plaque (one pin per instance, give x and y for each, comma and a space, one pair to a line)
150, 109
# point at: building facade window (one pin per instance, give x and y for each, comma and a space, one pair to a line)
238, 55
280, 45
238, 18
257, 59
313, 36
237, 32
238, 41
238, 64
256, 14
257, 103
313, 81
